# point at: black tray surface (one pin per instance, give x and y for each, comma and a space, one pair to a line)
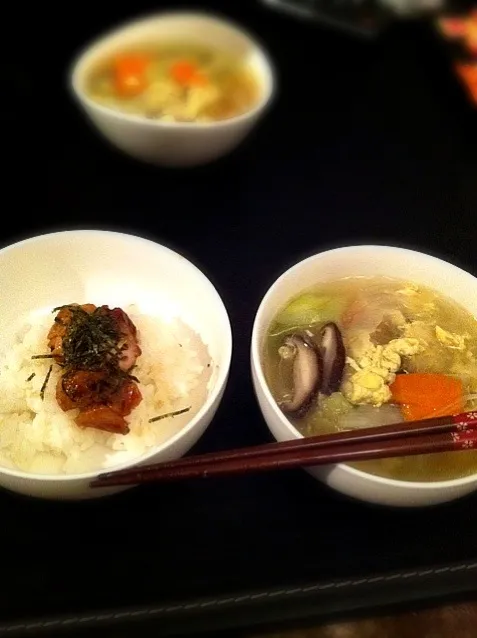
383, 151
281, 609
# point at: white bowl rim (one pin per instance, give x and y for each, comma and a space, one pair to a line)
215, 391
257, 367
216, 18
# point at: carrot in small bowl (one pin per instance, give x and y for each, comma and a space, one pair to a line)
187, 73
130, 74
425, 395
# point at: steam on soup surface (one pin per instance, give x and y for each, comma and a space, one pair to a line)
175, 82
363, 352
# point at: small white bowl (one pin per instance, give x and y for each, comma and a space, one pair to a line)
116, 269
366, 261
171, 143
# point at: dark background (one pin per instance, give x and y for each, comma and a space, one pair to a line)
366, 142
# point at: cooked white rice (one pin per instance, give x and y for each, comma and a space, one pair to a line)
37, 436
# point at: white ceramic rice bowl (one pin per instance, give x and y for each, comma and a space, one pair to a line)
116, 269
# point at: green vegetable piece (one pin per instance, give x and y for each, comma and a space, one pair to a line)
335, 406
309, 308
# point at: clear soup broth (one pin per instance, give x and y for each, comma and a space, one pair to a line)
175, 82
408, 353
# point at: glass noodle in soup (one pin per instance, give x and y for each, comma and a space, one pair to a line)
362, 352
175, 82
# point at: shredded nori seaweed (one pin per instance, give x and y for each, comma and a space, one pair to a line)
45, 383
92, 342
168, 414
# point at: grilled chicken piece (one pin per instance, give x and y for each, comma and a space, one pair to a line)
102, 417
131, 350
59, 328
126, 398
104, 396
90, 390
82, 388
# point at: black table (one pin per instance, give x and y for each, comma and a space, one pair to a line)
385, 152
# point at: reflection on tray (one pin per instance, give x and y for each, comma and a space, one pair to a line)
440, 622
366, 18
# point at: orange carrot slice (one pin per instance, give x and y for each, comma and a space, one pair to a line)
187, 73
425, 395
130, 74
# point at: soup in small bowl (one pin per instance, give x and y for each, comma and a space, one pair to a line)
342, 343
176, 81
175, 89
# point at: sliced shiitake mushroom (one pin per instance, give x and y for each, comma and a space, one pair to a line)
307, 374
333, 354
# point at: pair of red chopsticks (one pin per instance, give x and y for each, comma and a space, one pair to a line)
428, 436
